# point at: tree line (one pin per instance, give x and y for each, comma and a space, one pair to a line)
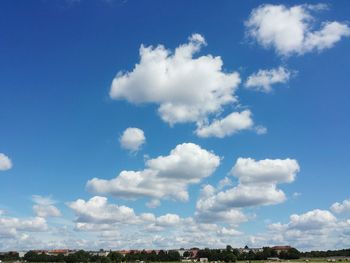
113, 257
268, 252
226, 255
326, 254
9, 256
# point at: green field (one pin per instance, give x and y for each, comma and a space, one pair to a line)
301, 260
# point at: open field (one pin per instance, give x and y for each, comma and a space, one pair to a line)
313, 260
316, 260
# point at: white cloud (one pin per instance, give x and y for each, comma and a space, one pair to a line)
165, 231
264, 79
231, 124
164, 176
43, 200
314, 230
224, 183
44, 206
168, 220
315, 219
97, 210
97, 214
14, 225
153, 203
290, 30
229, 232
260, 130
257, 185
46, 211
230, 216
187, 89
132, 139
207, 212
341, 207
5, 162
268, 171
296, 194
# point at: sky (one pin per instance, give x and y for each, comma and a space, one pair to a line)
167, 124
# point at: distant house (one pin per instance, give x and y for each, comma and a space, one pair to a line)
100, 253
181, 251
279, 249
194, 252
124, 252
246, 249
56, 252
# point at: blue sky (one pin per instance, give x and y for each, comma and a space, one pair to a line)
265, 82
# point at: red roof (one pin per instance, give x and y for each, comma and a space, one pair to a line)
281, 247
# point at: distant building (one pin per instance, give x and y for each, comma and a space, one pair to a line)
279, 249
246, 249
100, 253
56, 252
123, 252
181, 251
194, 252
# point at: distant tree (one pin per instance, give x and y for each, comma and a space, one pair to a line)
187, 254
115, 257
217, 255
251, 255
11, 256
162, 256
229, 257
82, 256
291, 253
173, 255
235, 252
105, 260
60, 257
31, 256
72, 258
152, 256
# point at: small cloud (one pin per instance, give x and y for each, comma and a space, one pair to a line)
224, 183
153, 203
264, 79
296, 195
5, 162
43, 200
260, 130
44, 206
341, 207
46, 211
227, 126
132, 139
290, 30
